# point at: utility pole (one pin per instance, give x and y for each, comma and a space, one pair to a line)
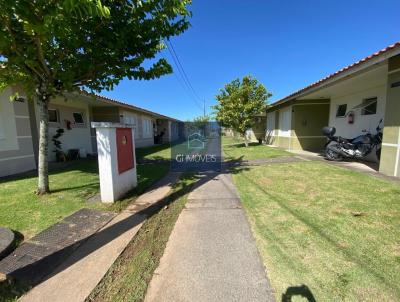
204, 108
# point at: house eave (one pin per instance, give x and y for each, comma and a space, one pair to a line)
375, 60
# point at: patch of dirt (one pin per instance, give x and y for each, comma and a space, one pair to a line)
266, 181
343, 244
396, 250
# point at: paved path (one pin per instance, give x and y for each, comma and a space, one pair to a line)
262, 161
37, 257
79, 274
211, 254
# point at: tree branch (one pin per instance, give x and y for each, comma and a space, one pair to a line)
15, 47
41, 56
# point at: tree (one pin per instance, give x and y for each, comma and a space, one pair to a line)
238, 103
202, 119
50, 47
198, 123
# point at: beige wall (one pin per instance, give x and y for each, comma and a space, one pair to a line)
390, 156
275, 136
16, 148
307, 117
141, 139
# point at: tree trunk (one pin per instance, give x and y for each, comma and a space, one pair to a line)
246, 142
43, 166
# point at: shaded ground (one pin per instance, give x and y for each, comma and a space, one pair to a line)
325, 231
211, 254
154, 153
37, 257
23, 211
128, 278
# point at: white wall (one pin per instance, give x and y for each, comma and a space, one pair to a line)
79, 137
361, 122
113, 184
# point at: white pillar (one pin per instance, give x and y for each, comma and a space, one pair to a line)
116, 157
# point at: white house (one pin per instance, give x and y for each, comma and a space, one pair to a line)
19, 122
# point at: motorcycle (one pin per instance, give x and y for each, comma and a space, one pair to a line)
339, 147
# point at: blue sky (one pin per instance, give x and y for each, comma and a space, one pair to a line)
284, 44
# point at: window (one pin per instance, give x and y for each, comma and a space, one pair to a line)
129, 120
147, 128
369, 106
78, 118
53, 116
341, 110
284, 122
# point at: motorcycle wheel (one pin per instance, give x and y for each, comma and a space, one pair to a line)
332, 155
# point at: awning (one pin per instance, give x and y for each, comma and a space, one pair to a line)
365, 103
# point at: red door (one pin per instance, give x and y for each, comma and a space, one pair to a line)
124, 149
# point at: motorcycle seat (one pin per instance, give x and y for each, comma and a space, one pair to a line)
344, 140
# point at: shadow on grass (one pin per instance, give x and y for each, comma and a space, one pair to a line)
88, 165
141, 153
298, 291
20, 280
153, 160
242, 145
362, 261
92, 186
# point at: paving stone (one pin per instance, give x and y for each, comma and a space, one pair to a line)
31, 262
40, 255
78, 274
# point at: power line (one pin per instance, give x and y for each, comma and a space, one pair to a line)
182, 73
183, 70
187, 90
187, 85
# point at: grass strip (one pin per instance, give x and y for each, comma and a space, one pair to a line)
128, 278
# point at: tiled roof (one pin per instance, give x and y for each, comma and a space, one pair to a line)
125, 105
333, 75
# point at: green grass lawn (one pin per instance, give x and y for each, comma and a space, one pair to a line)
230, 140
235, 149
23, 211
156, 152
331, 229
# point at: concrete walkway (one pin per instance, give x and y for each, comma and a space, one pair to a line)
79, 274
211, 254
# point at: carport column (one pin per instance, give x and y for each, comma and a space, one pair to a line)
116, 156
169, 131
390, 156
